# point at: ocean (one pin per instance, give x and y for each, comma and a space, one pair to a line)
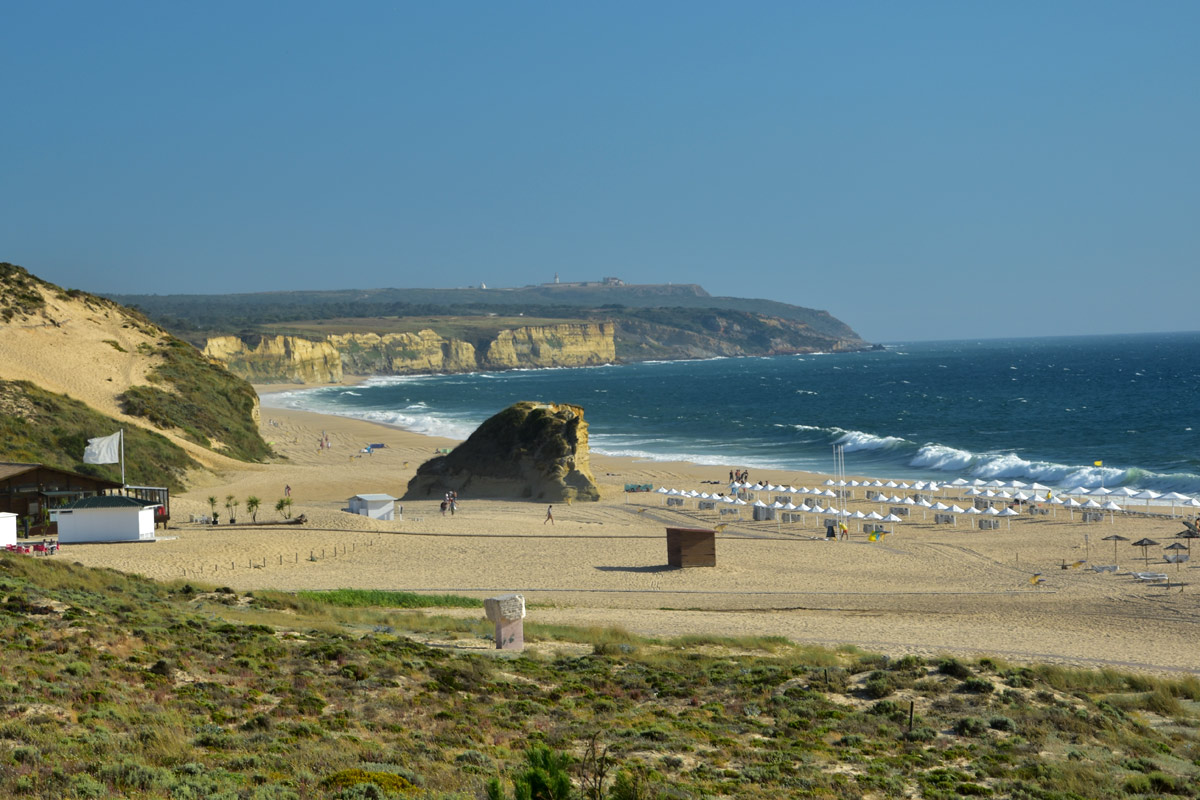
1043, 409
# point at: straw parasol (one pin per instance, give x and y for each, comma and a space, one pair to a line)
1116, 537
1144, 544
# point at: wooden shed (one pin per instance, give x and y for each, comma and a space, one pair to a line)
691, 547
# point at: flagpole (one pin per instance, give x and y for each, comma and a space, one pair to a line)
122, 458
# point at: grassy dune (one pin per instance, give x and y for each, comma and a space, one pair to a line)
114, 686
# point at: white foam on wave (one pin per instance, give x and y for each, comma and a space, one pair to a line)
860, 440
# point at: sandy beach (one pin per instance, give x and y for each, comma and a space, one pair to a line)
926, 589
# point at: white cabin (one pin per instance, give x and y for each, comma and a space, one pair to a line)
8, 528
375, 506
106, 519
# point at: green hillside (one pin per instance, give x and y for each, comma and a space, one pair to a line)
193, 316
185, 392
115, 687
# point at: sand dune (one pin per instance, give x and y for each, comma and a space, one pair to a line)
925, 589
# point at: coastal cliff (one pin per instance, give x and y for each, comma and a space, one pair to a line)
297, 359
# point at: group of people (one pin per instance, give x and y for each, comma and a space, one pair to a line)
450, 503
740, 476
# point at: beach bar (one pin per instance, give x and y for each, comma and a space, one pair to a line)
691, 547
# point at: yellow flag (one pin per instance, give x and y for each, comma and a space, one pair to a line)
1098, 463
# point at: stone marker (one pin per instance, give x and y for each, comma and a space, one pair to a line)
507, 611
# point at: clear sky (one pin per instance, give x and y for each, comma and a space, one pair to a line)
922, 170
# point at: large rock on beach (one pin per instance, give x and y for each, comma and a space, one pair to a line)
536, 451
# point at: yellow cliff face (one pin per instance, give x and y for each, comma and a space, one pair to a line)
278, 358
566, 345
298, 360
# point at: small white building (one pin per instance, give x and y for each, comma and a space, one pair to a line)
8, 528
375, 506
106, 519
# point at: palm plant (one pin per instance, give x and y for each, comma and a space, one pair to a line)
252, 504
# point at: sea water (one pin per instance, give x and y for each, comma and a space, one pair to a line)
1031, 409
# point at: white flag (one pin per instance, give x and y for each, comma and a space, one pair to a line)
103, 450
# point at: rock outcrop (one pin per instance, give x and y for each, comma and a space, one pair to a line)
295, 359
535, 451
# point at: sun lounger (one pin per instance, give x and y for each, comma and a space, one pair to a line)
1151, 577
1104, 567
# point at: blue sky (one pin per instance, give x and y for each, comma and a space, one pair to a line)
923, 170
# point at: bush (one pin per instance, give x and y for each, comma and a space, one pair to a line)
977, 686
970, 726
1002, 724
954, 668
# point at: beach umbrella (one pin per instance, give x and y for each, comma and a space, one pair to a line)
874, 515
940, 506
1008, 512
904, 485
1092, 504
994, 483
956, 509
790, 506
1116, 537
1176, 557
662, 490
791, 489
1125, 491
693, 493
959, 482
1147, 496
1071, 503
673, 492
972, 492
778, 504
1145, 544
1017, 484
1189, 535
1112, 509
1174, 497
1102, 491
858, 515
891, 484
973, 510
892, 518
830, 482
992, 511
739, 501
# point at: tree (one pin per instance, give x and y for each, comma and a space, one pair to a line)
231, 504
284, 507
212, 505
252, 504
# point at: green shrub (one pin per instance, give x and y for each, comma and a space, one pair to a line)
346, 778
970, 726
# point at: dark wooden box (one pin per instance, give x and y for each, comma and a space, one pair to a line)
691, 547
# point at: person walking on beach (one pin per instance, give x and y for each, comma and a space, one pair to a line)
549, 515
287, 490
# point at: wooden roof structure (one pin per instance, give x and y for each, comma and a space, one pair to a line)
21, 484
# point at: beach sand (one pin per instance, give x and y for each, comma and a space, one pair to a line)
925, 589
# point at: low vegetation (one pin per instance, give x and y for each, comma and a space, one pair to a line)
41, 427
191, 394
114, 686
